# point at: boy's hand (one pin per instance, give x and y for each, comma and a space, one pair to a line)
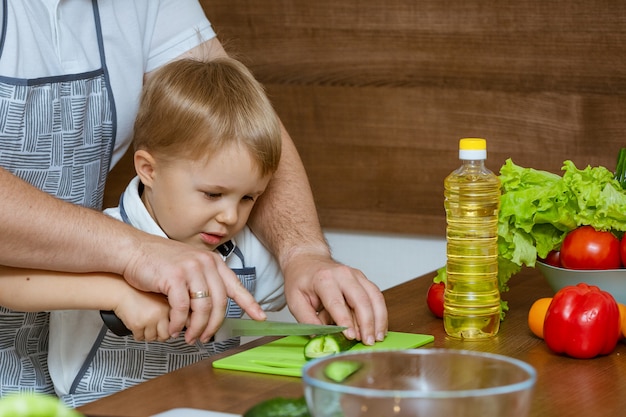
145, 314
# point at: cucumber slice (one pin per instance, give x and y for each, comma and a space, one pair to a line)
338, 371
328, 344
280, 407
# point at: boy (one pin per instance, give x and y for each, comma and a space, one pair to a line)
206, 142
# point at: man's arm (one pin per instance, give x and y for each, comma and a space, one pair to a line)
318, 289
43, 232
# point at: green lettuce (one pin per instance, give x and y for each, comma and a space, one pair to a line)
538, 209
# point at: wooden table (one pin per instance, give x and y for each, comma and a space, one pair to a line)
565, 387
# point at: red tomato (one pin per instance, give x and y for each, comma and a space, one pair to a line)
587, 248
553, 258
434, 298
622, 249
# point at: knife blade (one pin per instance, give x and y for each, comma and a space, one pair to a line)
232, 327
246, 327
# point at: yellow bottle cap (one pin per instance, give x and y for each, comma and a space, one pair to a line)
474, 144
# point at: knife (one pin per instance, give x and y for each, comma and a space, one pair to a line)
232, 327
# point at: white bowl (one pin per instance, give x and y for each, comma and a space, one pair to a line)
420, 382
612, 281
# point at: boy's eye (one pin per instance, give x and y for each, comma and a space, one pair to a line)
248, 198
213, 195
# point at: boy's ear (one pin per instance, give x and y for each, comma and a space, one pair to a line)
145, 166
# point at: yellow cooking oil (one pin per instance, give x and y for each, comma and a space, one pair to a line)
472, 201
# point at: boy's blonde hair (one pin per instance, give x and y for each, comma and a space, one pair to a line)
191, 108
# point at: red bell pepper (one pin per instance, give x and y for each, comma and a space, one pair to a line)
582, 322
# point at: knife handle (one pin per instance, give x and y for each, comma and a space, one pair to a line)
114, 323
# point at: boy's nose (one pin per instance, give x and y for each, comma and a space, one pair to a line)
228, 216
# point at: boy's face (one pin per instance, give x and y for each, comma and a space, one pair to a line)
204, 202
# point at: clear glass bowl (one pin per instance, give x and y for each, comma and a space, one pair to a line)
421, 382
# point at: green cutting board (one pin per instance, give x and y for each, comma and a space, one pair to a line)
285, 356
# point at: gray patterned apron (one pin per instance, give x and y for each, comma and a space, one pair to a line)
115, 362
57, 133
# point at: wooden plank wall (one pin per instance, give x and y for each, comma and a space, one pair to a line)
377, 93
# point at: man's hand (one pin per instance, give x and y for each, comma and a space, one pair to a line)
321, 290
177, 270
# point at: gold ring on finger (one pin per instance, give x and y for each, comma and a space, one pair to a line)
198, 294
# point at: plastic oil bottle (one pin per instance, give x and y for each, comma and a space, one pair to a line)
472, 202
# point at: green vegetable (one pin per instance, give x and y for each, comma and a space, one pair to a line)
325, 345
538, 208
280, 407
34, 405
338, 371
328, 344
620, 168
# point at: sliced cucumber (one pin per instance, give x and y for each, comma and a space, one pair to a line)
280, 407
328, 344
339, 371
